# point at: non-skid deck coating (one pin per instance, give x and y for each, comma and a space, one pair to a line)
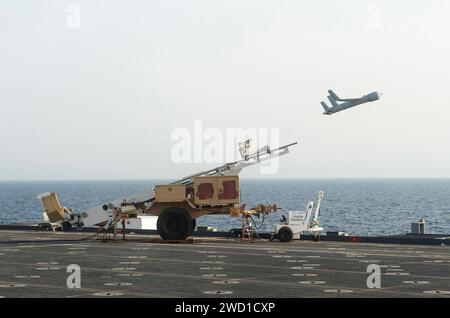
223, 268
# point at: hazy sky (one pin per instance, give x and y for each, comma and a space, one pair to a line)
101, 101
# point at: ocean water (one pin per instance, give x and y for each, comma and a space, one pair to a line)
360, 207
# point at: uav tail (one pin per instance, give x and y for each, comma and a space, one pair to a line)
327, 109
332, 101
333, 94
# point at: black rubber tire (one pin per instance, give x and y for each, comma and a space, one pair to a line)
194, 224
285, 234
174, 224
66, 226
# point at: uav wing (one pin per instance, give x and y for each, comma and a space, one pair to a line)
336, 98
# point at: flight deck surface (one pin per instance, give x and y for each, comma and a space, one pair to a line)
33, 264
